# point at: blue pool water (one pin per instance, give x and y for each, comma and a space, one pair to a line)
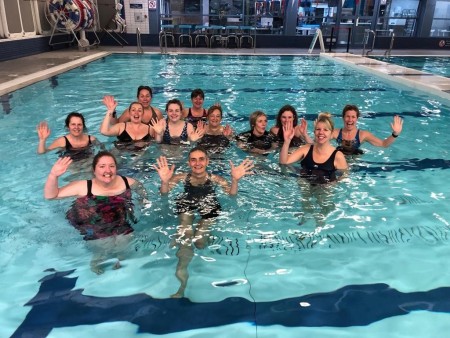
378, 266
430, 64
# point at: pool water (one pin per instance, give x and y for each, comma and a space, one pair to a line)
377, 266
431, 64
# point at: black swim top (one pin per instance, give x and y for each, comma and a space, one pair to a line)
125, 137
77, 154
214, 142
167, 139
260, 142
89, 187
349, 147
318, 173
198, 192
70, 147
194, 119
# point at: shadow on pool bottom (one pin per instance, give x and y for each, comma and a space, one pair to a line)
57, 305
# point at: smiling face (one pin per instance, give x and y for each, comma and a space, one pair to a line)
145, 98
105, 169
322, 132
76, 126
174, 112
198, 161
136, 112
197, 102
350, 120
214, 118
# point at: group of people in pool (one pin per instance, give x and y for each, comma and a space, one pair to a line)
103, 211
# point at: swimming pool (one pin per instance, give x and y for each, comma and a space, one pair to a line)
430, 64
377, 267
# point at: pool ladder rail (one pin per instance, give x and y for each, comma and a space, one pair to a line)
317, 35
366, 38
139, 41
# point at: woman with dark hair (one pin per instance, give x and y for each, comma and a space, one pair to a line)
74, 143
350, 138
285, 114
174, 130
197, 112
144, 96
103, 210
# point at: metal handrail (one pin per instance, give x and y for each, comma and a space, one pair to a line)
139, 43
317, 35
388, 52
367, 33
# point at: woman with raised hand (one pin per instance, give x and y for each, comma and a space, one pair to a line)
77, 144
350, 138
134, 132
103, 210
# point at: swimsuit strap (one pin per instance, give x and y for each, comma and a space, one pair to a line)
89, 188
184, 135
68, 144
89, 137
339, 138
127, 185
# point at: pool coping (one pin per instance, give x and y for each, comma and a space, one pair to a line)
421, 81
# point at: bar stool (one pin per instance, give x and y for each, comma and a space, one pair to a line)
216, 35
201, 31
185, 32
232, 35
166, 33
246, 37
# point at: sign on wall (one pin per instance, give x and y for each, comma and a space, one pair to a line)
152, 4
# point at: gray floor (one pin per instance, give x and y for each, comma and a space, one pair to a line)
18, 73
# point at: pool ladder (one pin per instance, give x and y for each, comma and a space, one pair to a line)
139, 42
367, 33
388, 52
317, 35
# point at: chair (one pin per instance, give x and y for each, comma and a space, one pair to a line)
201, 31
232, 36
246, 37
185, 32
216, 35
167, 32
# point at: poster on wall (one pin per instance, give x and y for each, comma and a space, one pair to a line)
152, 5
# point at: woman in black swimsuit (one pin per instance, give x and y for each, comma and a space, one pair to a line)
133, 132
77, 144
199, 196
103, 211
319, 163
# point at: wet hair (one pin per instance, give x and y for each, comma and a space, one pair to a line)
101, 154
325, 118
198, 92
212, 108
75, 114
198, 148
140, 88
135, 102
283, 109
174, 101
254, 116
351, 107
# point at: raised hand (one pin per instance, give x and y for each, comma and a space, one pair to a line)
198, 132
109, 102
61, 166
164, 171
43, 130
158, 125
227, 131
288, 131
245, 168
397, 125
